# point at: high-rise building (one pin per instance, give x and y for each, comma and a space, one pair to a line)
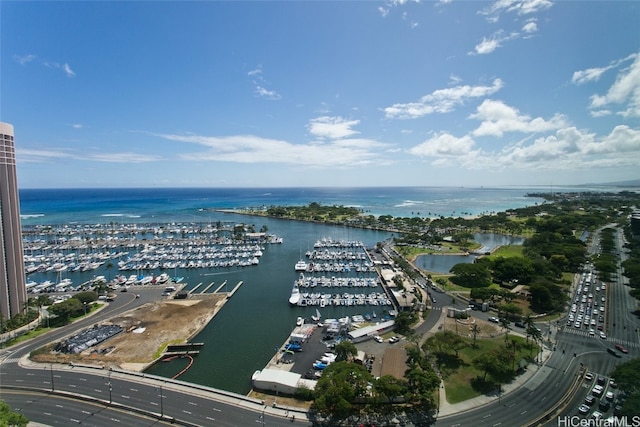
13, 288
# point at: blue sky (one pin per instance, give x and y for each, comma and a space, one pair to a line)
317, 93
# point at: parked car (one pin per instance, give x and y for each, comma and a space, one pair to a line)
583, 409
394, 339
494, 319
378, 338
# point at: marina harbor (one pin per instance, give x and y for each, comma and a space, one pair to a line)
53, 253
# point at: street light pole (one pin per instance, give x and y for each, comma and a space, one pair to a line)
110, 388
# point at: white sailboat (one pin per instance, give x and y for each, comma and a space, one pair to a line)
317, 317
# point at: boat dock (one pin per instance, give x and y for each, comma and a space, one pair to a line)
204, 291
193, 291
233, 291
188, 348
220, 287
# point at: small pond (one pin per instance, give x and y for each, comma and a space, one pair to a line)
443, 263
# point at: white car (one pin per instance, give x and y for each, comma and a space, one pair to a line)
378, 338
602, 335
394, 339
494, 319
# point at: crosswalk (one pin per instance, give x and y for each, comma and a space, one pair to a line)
10, 360
585, 333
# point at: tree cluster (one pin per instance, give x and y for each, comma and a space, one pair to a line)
74, 306
347, 388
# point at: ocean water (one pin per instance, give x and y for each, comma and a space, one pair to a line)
243, 335
52, 206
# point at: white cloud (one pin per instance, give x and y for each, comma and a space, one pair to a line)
256, 71
498, 118
625, 91
260, 84
123, 157
488, 45
269, 94
569, 149
530, 27
27, 155
332, 127
441, 101
454, 79
390, 4
519, 7
67, 70
77, 126
445, 145
594, 74
588, 75
254, 149
46, 156
24, 59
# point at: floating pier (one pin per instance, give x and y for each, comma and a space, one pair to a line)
220, 287
204, 291
193, 291
233, 291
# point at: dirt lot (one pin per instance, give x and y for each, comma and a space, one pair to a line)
155, 324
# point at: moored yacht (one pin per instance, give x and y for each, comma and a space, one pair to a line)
301, 265
295, 294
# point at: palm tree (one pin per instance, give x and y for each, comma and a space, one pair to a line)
536, 334
475, 330
109, 266
528, 324
504, 322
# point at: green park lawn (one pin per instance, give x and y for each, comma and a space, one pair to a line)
459, 375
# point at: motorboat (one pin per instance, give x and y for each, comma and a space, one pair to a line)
301, 265
295, 294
